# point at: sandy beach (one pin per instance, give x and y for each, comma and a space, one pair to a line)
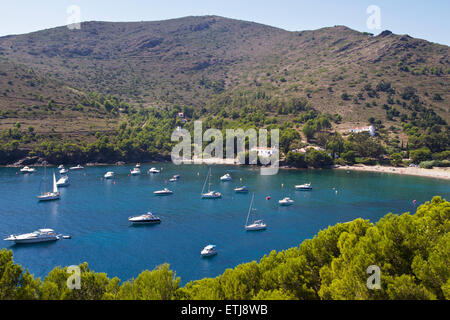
439, 173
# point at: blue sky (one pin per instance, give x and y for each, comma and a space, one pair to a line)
422, 19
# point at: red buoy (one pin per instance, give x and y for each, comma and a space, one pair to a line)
268, 198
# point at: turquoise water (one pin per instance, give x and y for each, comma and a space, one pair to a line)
95, 211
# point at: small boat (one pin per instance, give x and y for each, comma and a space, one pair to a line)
210, 194
63, 181
64, 171
286, 201
175, 178
154, 170
242, 189
109, 175
135, 172
27, 170
138, 165
53, 195
256, 225
163, 192
209, 250
41, 235
61, 166
225, 177
147, 218
304, 187
78, 167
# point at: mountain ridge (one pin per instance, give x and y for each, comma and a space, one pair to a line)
196, 59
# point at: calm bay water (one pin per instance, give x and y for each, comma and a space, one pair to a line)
95, 211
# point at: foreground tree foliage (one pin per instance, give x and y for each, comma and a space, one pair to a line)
412, 252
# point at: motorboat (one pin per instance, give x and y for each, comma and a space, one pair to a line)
63, 181
210, 194
304, 187
109, 175
209, 250
242, 189
225, 177
163, 192
41, 235
286, 201
135, 172
52, 195
147, 218
255, 225
61, 166
138, 165
78, 167
175, 178
27, 170
64, 171
154, 170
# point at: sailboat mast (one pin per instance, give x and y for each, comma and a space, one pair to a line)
55, 187
250, 209
204, 184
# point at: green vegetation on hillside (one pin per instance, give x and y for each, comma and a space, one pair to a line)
411, 250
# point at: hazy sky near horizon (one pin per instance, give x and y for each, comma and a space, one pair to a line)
421, 19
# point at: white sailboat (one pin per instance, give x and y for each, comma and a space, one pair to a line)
256, 225
53, 195
210, 194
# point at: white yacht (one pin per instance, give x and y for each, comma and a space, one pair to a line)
27, 170
63, 171
304, 187
109, 175
210, 194
286, 201
78, 167
53, 195
225, 177
41, 235
163, 192
242, 189
154, 170
135, 172
147, 218
63, 181
209, 250
256, 225
175, 178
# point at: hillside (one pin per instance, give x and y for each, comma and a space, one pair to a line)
218, 66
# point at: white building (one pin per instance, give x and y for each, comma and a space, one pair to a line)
370, 129
265, 152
